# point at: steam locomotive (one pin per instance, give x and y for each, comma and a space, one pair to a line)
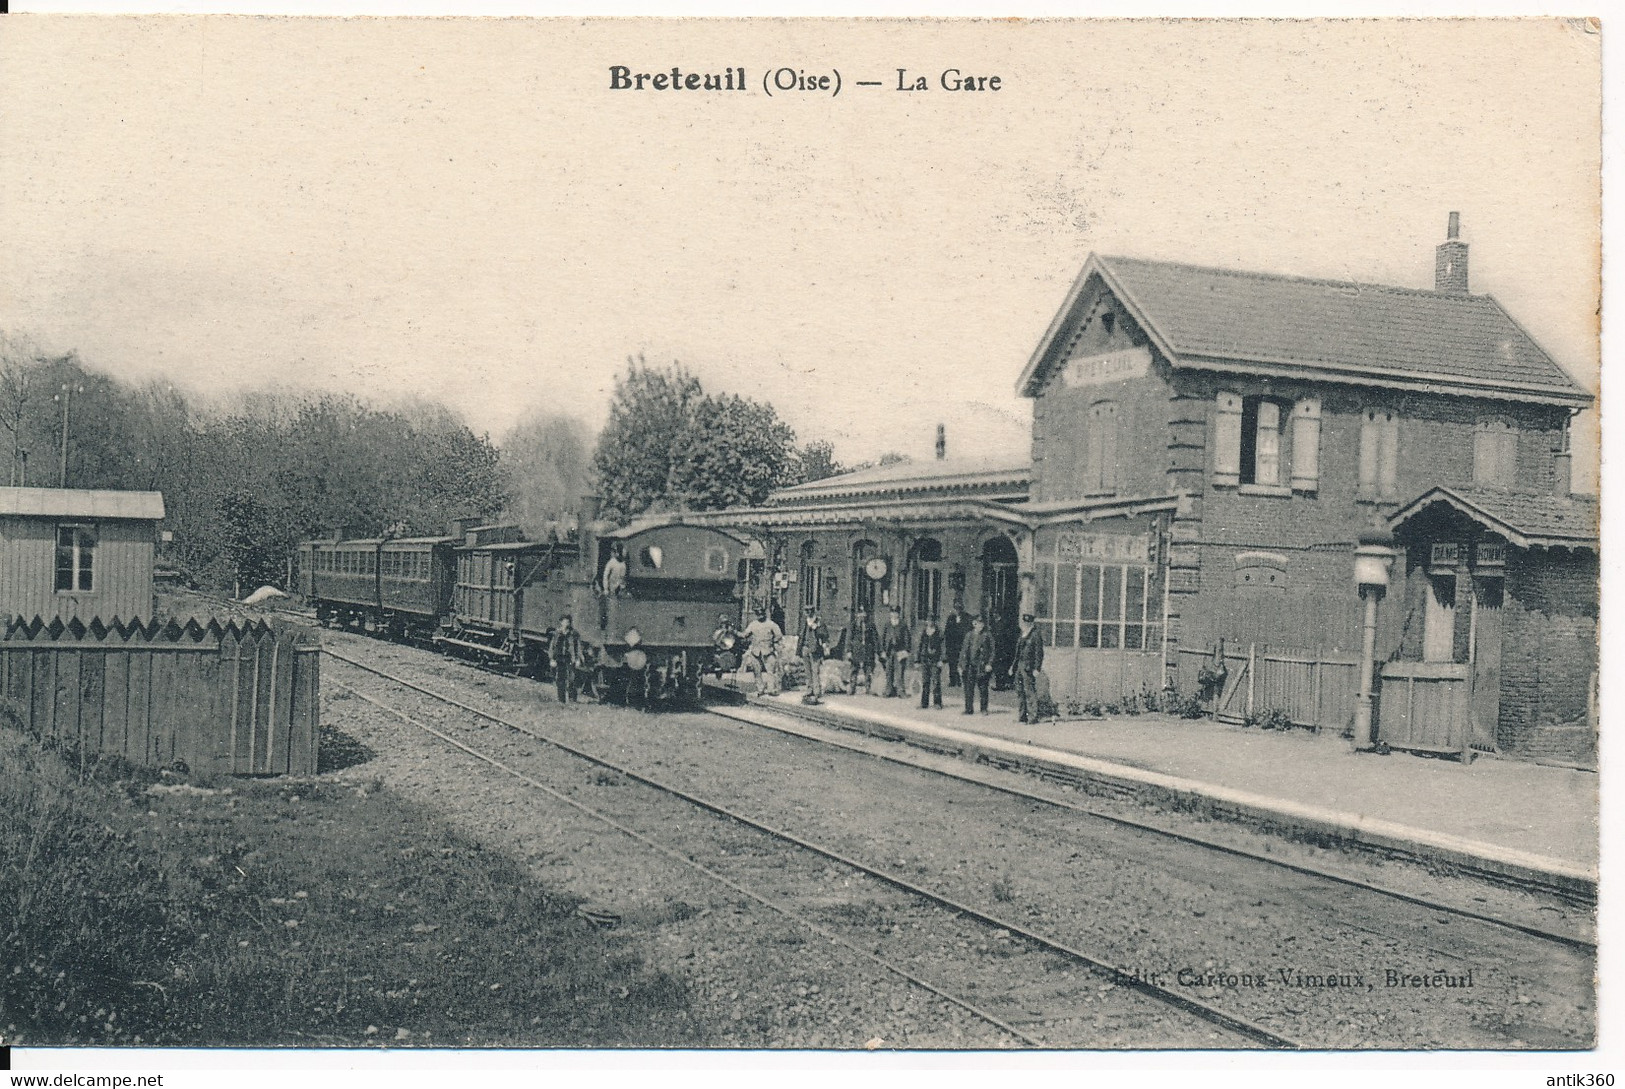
644, 597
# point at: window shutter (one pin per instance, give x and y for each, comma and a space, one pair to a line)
1227, 440
1370, 455
1306, 445
1389, 474
1106, 424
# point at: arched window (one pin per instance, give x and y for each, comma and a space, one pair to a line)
927, 578
812, 578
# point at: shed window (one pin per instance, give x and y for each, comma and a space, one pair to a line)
75, 558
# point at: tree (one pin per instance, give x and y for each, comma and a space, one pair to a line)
19, 356
649, 418
816, 461
546, 467
736, 452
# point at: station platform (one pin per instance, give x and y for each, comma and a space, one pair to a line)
1514, 819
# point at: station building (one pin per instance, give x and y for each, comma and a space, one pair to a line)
1207, 447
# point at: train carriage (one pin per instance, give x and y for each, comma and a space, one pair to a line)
397, 586
508, 596
646, 636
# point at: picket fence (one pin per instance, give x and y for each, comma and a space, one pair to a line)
233, 698
1315, 688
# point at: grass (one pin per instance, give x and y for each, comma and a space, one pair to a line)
138, 909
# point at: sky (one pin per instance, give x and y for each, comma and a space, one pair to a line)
465, 209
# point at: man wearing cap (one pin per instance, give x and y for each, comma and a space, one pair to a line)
564, 650
928, 653
976, 663
814, 645
1029, 660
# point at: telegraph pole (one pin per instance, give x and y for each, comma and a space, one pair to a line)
68, 390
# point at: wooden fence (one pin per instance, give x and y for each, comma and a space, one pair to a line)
1314, 688
225, 699
1425, 707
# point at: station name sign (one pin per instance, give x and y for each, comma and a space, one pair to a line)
1104, 547
1095, 370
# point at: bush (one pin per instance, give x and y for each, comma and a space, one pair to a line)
1270, 719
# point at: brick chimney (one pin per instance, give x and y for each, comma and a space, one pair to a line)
942, 442
1450, 261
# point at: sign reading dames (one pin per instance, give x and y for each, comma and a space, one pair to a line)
1095, 370
1104, 547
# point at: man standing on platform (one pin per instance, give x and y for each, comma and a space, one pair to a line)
862, 647
976, 663
762, 654
1029, 660
954, 632
895, 641
564, 651
929, 654
814, 645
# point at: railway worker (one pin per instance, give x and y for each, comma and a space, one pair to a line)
954, 632
928, 652
814, 648
895, 642
614, 580
976, 663
762, 656
862, 646
564, 651
1029, 660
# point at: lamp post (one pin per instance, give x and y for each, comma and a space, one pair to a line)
1373, 557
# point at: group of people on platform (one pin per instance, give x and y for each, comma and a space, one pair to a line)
883, 655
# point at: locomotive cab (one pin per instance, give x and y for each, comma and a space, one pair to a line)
651, 623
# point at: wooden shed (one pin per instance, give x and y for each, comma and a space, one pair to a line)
78, 553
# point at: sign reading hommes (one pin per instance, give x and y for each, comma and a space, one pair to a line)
1095, 370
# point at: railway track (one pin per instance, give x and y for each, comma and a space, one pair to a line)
1256, 1027
995, 931
1568, 940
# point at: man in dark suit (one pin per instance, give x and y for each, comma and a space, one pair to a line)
1029, 660
896, 643
861, 648
565, 652
976, 663
928, 653
954, 632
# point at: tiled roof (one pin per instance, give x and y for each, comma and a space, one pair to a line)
1523, 518
1328, 329
81, 503
947, 474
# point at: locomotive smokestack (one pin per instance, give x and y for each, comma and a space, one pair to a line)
942, 442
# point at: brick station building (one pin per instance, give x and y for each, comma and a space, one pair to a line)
1207, 446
